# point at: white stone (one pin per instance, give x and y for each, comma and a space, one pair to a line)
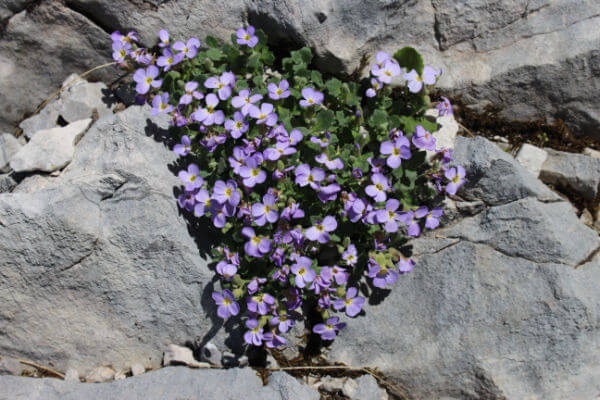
445, 136
9, 146
72, 375
182, 355
532, 158
137, 369
100, 374
120, 375
50, 149
591, 152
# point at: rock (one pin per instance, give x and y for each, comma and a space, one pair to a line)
445, 136
331, 384
71, 375
586, 217
591, 152
572, 171
9, 146
80, 100
243, 361
211, 354
137, 369
367, 389
164, 384
10, 366
7, 183
37, 54
120, 375
105, 237
532, 158
50, 149
176, 355
100, 374
494, 176
229, 359
33, 183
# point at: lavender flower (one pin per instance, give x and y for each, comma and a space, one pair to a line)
352, 303
255, 334
320, 230
388, 70
283, 322
246, 36
272, 340
431, 218
323, 142
220, 212
396, 151
183, 148
331, 164
405, 264
339, 274
223, 84
168, 59
202, 203
257, 246
456, 176
245, 101
226, 303
120, 51
306, 176
252, 174
209, 115
264, 114
445, 107
378, 188
311, 97
260, 304
226, 269
280, 91
280, 149
328, 329
303, 271
189, 49
265, 211
328, 192
191, 93
321, 282
293, 138
423, 139
375, 86
226, 193
145, 79
410, 219
381, 58
381, 274
292, 211
237, 126
160, 105
191, 178
187, 200
163, 35
415, 82
350, 255
254, 284
389, 217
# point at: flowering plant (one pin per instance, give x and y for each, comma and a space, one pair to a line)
315, 186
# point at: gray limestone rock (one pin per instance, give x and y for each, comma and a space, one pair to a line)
577, 172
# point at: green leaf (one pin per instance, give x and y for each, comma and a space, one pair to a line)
342, 119
214, 54
268, 57
254, 61
324, 119
306, 54
211, 41
334, 86
379, 119
317, 78
410, 59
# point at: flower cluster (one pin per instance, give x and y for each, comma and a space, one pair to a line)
314, 186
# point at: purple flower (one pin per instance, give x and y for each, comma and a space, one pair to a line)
323, 142
202, 202
311, 97
223, 84
446, 155
381, 57
264, 114
405, 264
226, 269
236, 126
163, 35
168, 59
352, 303
444, 107
220, 212
331, 164
272, 340
226, 303
226, 193
145, 79
183, 148
191, 178
255, 334
257, 246
160, 104
320, 230
397, 150
456, 176
375, 86
280, 91
292, 211
350, 255
322, 281
254, 284
189, 49
208, 115
423, 139
120, 51
141, 56
283, 322
378, 188
329, 192
245, 101
293, 299
328, 329
303, 271
389, 217
306, 176
410, 219
431, 220
265, 211
280, 149
187, 200
415, 82
251, 173
191, 93
260, 304
246, 36
116, 36
381, 274
388, 70
339, 274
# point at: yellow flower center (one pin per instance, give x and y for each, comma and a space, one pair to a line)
262, 116
348, 302
396, 152
148, 80
238, 125
419, 79
255, 172
279, 91
310, 100
207, 202
255, 330
329, 327
185, 50
379, 186
320, 228
219, 85
246, 37
256, 240
388, 73
170, 60
210, 109
228, 192
301, 271
226, 301
456, 179
192, 178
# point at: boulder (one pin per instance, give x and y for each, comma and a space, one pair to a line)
571, 171
164, 384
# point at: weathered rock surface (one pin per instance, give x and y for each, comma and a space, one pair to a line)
576, 172
501, 305
532, 158
492, 51
50, 149
99, 259
164, 384
9, 146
